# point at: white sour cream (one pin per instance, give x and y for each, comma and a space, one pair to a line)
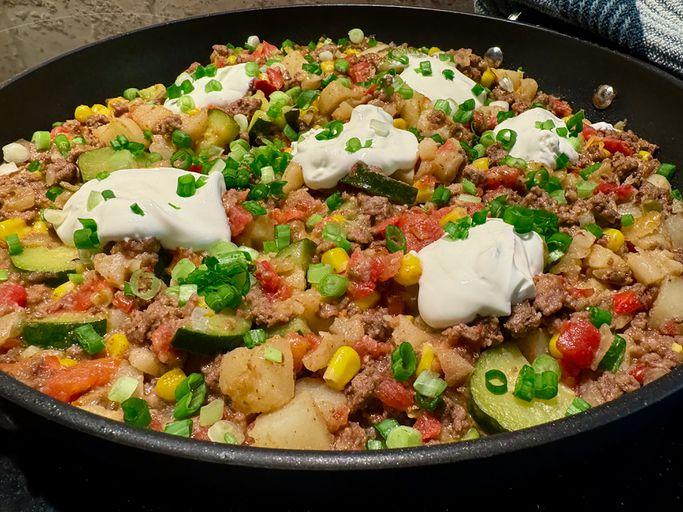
604, 126
325, 162
235, 84
198, 222
483, 275
436, 86
534, 144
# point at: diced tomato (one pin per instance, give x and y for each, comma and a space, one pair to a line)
391, 264
301, 345
80, 299
161, 341
419, 228
13, 294
622, 192
239, 219
275, 77
264, 86
588, 131
429, 426
298, 207
578, 342
196, 168
671, 327
393, 394
61, 129
123, 302
580, 292
361, 71
626, 303
638, 372
67, 384
371, 347
367, 268
617, 146
264, 50
502, 176
270, 281
9, 344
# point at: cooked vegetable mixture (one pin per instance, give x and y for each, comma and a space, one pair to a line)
344, 245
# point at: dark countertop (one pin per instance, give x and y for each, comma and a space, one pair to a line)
641, 470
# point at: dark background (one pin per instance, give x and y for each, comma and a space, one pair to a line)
637, 468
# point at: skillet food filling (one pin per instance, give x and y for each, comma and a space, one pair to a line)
342, 245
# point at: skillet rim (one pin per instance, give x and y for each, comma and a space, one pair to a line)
487, 447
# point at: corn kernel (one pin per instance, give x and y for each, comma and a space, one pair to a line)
167, 383
232, 59
62, 290
337, 258
400, 123
82, 113
434, 50
40, 227
117, 344
193, 112
453, 215
481, 163
487, 78
368, 301
12, 226
102, 110
118, 99
614, 237
410, 271
351, 51
676, 347
426, 359
67, 362
552, 347
645, 155
338, 218
424, 194
327, 66
343, 367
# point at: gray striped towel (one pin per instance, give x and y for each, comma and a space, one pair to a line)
651, 29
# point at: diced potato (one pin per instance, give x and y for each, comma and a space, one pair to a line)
643, 226
406, 330
602, 257
293, 63
121, 126
195, 125
257, 232
332, 404
10, 326
350, 329
528, 87
650, 267
116, 414
411, 109
578, 249
668, 304
534, 344
150, 116
254, 383
294, 176
514, 76
299, 425
674, 228
115, 268
606, 338
318, 358
332, 96
343, 112
456, 369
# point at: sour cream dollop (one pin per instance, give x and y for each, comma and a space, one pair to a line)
436, 86
234, 82
534, 144
195, 222
604, 126
483, 275
325, 162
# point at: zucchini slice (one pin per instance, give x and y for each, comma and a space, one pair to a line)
221, 130
222, 332
296, 325
91, 163
298, 253
506, 412
377, 184
57, 331
43, 259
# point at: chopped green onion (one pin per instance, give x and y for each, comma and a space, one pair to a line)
584, 188
599, 316
469, 187
317, 271
41, 139
627, 220
153, 284
487, 138
334, 201
341, 66
272, 354
578, 405
558, 196
89, 339
425, 68
136, 412
108, 194
313, 220
614, 356
135, 208
546, 385
561, 161
34, 166
283, 236
503, 115
211, 412
507, 138
254, 207
526, 383
354, 144
122, 389
385, 426
62, 144
333, 232
14, 244
181, 139
374, 444
546, 363
441, 195
496, 382
131, 93
458, 230
182, 269
404, 437
585, 173
213, 85
186, 185
4, 274
333, 285
181, 159
403, 362
395, 239
667, 170
478, 89
251, 69
254, 337
405, 92
305, 98
448, 74
443, 106
182, 428
190, 396
331, 131
429, 384
575, 123
594, 229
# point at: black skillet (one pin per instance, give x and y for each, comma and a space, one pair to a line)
649, 98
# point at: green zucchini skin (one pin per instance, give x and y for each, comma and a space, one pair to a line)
43, 259
377, 184
57, 331
504, 413
223, 333
93, 162
295, 325
299, 253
